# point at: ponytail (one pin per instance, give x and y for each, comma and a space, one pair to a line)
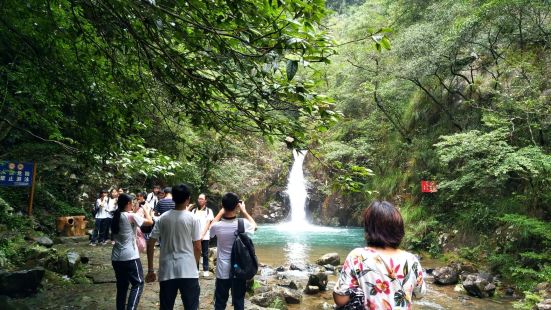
122, 202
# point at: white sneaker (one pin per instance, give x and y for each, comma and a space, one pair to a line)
206, 274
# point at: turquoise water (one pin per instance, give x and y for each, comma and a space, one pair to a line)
282, 244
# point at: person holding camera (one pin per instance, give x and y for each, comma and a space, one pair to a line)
223, 227
100, 215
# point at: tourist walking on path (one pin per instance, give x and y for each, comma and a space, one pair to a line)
125, 256
165, 204
380, 276
179, 255
100, 230
205, 216
223, 227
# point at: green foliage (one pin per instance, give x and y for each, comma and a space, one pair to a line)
461, 98
278, 303
529, 302
524, 252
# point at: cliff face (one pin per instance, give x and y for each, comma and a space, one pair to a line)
270, 205
323, 206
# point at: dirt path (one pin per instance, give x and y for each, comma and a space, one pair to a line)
100, 291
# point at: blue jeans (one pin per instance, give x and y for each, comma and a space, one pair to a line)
221, 293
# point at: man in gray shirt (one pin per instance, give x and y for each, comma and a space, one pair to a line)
180, 252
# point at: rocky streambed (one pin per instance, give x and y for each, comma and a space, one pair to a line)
296, 286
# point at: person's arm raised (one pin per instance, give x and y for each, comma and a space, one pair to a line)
247, 216
148, 220
209, 224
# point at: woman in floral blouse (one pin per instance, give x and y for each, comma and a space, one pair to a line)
380, 276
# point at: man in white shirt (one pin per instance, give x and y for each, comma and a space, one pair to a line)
224, 230
111, 208
100, 234
205, 216
152, 198
180, 252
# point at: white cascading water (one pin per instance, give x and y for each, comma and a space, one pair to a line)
296, 189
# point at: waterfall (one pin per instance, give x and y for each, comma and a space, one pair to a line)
296, 189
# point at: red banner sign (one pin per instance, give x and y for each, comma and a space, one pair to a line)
429, 187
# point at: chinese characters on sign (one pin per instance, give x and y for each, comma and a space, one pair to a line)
429, 187
15, 173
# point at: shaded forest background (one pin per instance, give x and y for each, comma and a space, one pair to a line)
382, 93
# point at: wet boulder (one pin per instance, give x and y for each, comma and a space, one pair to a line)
329, 258
445, 276
311, 290
298, 267
21, 283
268, 298
480, 285
291, 285
292, 296
319, 280
329, 267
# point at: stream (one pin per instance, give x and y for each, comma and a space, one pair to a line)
283, 244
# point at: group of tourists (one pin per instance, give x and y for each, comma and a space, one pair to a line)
378, 276
182, 232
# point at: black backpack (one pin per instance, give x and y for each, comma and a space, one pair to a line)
244, 263
95, 209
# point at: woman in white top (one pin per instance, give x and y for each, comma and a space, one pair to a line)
125, 256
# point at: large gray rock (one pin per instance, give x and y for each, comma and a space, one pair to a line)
20, 283
329, 258
268, 298
298, 267
73, 261
67, 263
44, 241
292, 296
319, 280
479, 285
446, 276
311, 290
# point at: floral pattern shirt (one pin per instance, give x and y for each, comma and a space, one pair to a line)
381, 281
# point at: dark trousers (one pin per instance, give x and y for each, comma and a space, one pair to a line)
189, 291
101, 230
97, 230
128, 272
205, 254
221, 293
107, 229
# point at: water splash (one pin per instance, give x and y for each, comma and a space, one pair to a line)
296, 189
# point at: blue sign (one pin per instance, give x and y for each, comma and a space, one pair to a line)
14, 173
